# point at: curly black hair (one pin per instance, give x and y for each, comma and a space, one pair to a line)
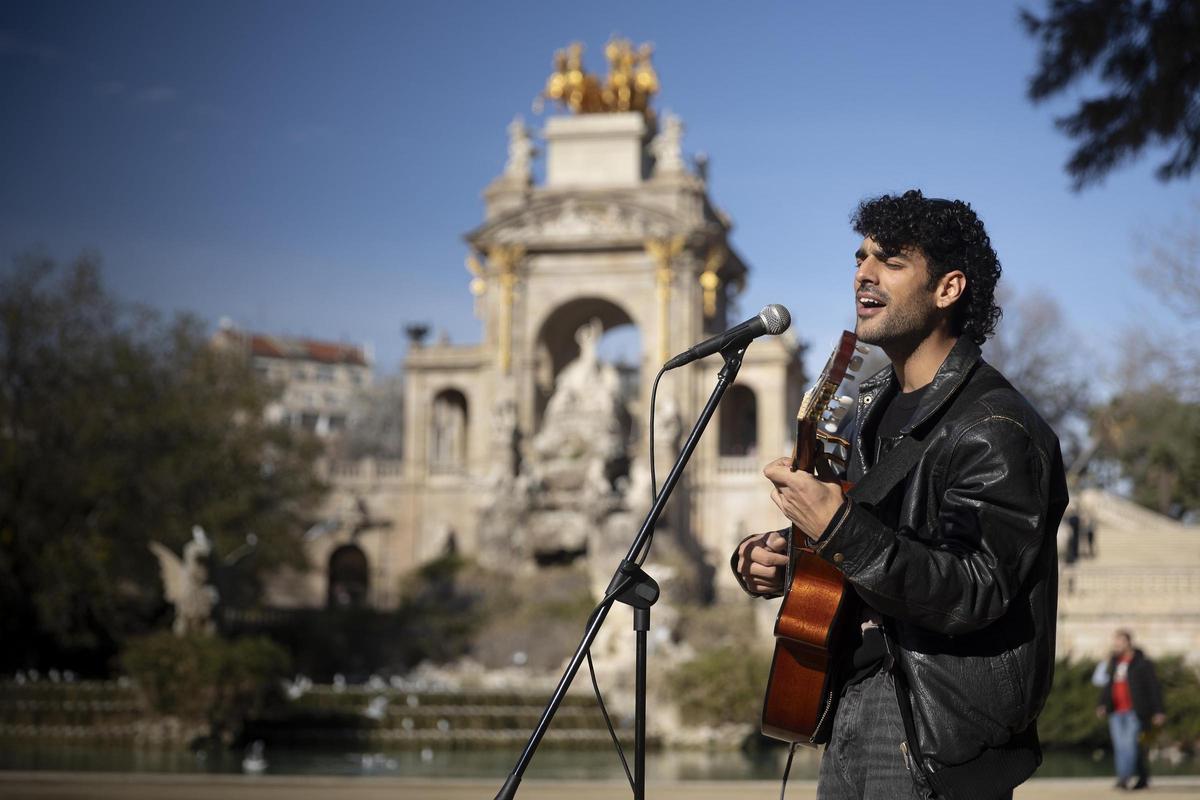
951, 236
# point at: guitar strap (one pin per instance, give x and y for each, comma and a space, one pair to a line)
898, 462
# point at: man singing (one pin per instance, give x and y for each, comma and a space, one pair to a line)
955, 567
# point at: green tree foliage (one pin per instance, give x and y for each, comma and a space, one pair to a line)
1146, 56
443, 609
453, 607
1069, 719
117, 428
1181, 698
1154, 435
201, 678
721, 685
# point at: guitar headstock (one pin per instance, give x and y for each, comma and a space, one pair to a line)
822, 409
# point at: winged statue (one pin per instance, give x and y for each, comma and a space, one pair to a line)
185, 583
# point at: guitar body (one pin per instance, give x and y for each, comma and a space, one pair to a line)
818, 605
812, 617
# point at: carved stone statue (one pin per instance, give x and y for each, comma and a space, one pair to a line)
521, 150
185, 583
667, 147
564, 484
449, 434
505, 440
583, 414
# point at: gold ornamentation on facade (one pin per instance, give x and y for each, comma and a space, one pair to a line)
478, 285
710, 281
505, 260
630, 84
664, 252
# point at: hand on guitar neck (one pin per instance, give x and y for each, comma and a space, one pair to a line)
808, 502
806, 487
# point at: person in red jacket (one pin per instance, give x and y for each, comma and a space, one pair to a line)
1131, 698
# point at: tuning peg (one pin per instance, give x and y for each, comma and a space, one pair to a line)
855, 363
845, 400
840, 413
830, 426
862, 348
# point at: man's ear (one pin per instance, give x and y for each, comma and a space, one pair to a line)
950, 288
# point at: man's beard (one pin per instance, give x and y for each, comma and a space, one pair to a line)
901, 328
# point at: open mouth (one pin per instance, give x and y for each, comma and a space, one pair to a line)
869, 305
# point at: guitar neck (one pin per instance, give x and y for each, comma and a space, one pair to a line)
808, 419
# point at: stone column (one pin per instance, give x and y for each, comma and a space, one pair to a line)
664, 252
506, 259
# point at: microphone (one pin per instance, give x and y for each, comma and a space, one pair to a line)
773, 319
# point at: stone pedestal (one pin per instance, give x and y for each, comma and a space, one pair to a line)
595, 150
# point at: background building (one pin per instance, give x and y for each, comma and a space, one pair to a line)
529, 448
321, 381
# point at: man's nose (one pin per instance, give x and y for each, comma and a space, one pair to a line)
865, 273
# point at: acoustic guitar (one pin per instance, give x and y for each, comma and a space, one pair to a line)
816, 606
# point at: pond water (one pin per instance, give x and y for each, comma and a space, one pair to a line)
555, 764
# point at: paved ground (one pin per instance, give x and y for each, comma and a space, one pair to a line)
103, 786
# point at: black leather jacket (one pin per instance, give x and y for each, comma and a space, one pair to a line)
960, 559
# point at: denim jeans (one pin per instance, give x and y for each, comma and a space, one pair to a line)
1124, 728
864, 759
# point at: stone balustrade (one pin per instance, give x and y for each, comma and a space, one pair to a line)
364, 470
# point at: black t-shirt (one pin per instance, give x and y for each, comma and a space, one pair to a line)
870, 652
899, 412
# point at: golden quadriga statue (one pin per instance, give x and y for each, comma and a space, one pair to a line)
629, 86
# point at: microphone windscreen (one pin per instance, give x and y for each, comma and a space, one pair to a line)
776, 318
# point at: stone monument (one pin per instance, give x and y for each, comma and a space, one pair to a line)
525, 448
185, 583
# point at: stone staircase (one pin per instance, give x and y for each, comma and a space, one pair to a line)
461, 719
83, 710
1144, 575
351, 716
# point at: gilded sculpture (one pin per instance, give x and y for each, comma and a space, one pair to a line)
630, 84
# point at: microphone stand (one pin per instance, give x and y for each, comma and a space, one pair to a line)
634, 587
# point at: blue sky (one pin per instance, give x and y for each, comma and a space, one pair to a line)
309, 168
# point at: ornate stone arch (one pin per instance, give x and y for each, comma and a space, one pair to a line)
349, 577
567, 316
555, 344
